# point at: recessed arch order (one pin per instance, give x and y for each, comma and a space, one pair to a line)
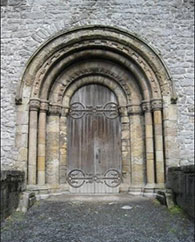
126, 65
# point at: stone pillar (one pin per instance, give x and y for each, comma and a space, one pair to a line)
125, 143
158, 141
53, 134
32, 154
149, 144
42, 142
172, 151
137, 148
63, 146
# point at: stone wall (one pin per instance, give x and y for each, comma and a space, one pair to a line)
12, 184
182, 182
165, 25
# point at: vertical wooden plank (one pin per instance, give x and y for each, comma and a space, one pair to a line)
94, 141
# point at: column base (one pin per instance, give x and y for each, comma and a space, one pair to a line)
41, 178
124, 188
45, 191
136, 190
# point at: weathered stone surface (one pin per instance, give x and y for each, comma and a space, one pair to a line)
12, 184
182, 180
26, 25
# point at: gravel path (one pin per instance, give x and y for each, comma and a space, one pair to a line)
97, 219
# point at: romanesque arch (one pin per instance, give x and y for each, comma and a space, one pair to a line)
125, 65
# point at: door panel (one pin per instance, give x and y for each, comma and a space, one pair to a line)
94, 141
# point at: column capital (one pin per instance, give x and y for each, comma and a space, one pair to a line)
44, 106
123, 111
156, 104
65, 111
34, 104
55, 109
146, 107
134, 109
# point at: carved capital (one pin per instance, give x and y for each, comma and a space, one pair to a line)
44, 106
134, 109
146, 107
34, 104
55, 109
156, 104
65, 111
123, 111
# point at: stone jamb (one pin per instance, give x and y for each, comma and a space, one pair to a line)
137, 149
120, 37
149, 145
157, 107
32, 154
42, 142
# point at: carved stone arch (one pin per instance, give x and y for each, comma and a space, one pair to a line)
144, 77
126, 65
123, 42
118, 76
97, 79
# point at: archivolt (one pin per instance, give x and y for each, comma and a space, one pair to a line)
97, 41
118, 60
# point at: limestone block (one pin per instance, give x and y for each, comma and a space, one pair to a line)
22, 128
149, 145
149, 131
158, 143
158, 129
125, 134
159, 156
41, 149
124, 120
41, 163
157, 117
21, 140
150, 156
22, 154
22, 117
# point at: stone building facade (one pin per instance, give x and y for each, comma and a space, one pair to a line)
142, 51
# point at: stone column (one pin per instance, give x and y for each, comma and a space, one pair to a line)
137, 149
170, 132
158, 141
53, 133
63, 145
125, 143
149, 144
42, 142
32, 154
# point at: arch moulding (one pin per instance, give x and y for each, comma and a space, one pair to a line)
146, 104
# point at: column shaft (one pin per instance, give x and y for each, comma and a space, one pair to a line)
53, 145
137, 148
149, 149
159, 154
41, 147
63, 149
32, 154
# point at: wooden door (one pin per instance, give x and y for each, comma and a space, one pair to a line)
94, 141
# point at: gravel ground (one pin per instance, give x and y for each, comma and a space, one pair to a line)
97, 219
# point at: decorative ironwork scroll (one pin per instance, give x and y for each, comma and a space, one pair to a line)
109, 110
76, 178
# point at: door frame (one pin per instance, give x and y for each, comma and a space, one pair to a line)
106, 181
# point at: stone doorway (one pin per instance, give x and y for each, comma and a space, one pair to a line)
94, 141
144, 97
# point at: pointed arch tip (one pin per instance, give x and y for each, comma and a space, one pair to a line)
79, 34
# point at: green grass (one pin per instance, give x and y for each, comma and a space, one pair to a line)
176, 210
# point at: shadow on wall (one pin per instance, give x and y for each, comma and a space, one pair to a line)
12, 185
182, 182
